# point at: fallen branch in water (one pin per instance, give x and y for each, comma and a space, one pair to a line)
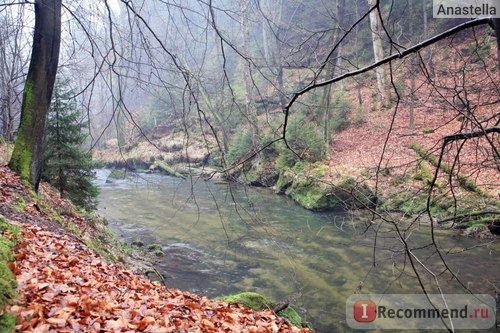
467, 217
281, 306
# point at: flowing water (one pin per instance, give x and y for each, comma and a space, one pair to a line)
220, 239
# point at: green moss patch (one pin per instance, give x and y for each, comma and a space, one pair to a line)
167, 169
464, 181
256, 301
285, 179
8, 284
313, 194
310, 194
117, 174
252, 300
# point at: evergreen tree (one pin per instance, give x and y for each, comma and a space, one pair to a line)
67, 166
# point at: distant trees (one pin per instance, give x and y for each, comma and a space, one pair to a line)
67, 165
13, 66
331, 66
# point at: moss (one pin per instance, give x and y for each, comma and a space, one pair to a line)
154, 247
405, 202
252, 300
117, 174
465, 182
292, 315
7, 322
22, 154
157, 276
355, 194
159, 253
299, 167
423, 174
104, 248
20, 205
476, 226
470, 185
8, 283
319, 170
316, 195
284, 181
256, 301
168, 169
260, 173
137, 243
416, 203
310, 194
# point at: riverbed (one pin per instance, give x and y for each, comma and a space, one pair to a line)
221, 238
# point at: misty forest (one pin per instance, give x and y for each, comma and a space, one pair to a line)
242, 166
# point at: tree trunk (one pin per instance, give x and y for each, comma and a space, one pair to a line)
27, 157
10, 113
265, 33
330, 70
281, 88
273, 11
250, 111
376, 27
411, 69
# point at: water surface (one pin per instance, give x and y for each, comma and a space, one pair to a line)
220, 239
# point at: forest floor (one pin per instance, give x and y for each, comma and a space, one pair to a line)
65, 286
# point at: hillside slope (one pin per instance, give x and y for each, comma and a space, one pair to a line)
64, 286
390, 153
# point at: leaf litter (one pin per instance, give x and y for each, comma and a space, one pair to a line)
65, 287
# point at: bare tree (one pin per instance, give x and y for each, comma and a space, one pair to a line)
13, 65
332, 66
378, 50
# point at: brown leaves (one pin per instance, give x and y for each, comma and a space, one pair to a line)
67, 288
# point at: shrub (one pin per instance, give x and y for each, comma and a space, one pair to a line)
241, 145
342, 107
305, 140
67, 165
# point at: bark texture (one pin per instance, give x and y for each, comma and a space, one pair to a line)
378, 51
27, 157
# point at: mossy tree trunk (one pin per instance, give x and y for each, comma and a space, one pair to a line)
27, 157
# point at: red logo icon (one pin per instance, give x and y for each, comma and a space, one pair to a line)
365, 311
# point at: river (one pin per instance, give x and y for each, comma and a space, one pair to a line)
220, 239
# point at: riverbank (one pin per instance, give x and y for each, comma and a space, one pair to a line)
63, 283
225, 238
468, 208
422, 154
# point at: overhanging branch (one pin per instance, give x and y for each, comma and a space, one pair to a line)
470, 135
390, 58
